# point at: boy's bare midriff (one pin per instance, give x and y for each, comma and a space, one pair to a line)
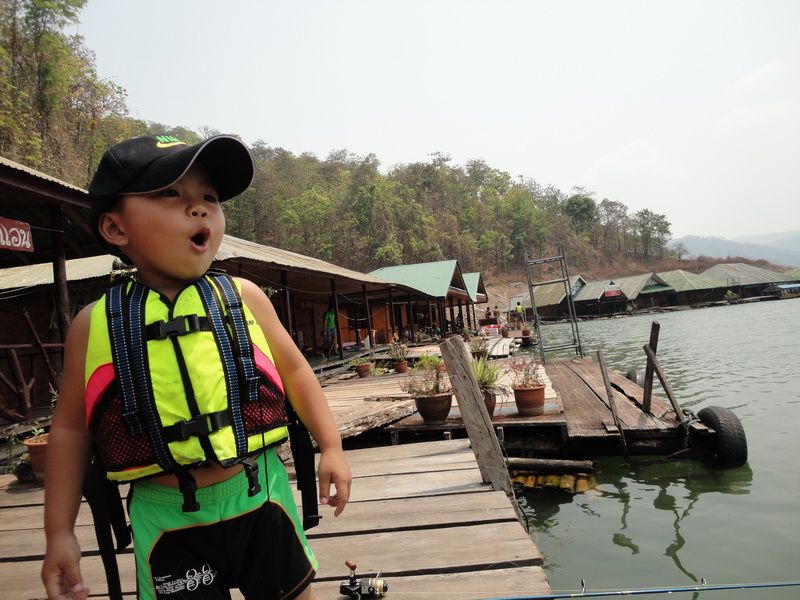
205, 476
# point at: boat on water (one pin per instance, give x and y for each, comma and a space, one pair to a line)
783, 291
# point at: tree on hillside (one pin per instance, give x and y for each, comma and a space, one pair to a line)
56, 115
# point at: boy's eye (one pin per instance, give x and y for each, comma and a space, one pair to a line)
169, 192
210, 198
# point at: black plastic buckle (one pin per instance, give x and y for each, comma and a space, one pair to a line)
251, 470
178, 326
197, 426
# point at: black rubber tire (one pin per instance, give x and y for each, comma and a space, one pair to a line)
636, 377
731, 443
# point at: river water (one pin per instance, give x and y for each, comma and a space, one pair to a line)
668, 525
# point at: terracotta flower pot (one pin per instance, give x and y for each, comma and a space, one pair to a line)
401, 366
363, 370
434, 409
526, 332
37, 447
490, 401
530, 401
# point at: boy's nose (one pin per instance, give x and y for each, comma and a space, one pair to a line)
197, 209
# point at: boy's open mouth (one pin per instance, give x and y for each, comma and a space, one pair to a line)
201, 237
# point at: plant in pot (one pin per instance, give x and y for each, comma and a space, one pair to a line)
363, 365
527, 385
37, 448
487, 375
479, 345
429, 385
504, 330
398, 352
526, 329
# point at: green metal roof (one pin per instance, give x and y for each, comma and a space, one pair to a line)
436, 279
794, 274
475, 287
732, 274
595, 290
551, 294
684, 281
636, 284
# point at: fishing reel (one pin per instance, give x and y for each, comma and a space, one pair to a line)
367, 587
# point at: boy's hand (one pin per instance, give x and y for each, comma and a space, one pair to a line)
333, 469
61, 574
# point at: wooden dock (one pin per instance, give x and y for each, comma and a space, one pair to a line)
418, 513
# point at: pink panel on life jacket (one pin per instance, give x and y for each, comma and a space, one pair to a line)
97, 384
265, 364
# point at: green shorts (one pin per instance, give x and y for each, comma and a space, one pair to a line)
254, 543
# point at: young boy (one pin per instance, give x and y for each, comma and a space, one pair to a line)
178, 380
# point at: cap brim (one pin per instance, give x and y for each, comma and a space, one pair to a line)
226, 158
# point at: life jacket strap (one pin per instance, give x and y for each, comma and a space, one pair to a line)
204, 424
251, 470
187, 486
180, 325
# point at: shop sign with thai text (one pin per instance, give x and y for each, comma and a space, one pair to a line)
612, 290
15, 235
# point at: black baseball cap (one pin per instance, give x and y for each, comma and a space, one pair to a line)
149, 163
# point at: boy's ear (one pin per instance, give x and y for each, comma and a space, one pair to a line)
110, 226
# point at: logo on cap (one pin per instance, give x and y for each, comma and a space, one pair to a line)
168, 141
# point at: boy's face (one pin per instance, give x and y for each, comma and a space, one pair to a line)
171, 235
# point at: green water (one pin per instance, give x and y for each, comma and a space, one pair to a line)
669, 525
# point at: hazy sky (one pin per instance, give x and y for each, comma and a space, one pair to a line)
688, 108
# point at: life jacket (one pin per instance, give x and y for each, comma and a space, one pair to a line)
173, 385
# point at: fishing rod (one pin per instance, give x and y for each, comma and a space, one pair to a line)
700, 588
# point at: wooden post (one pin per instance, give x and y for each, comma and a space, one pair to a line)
60, 272
484, 442
664, 383
648, 373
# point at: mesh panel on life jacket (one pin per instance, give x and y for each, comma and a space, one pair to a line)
267, 411
118, 448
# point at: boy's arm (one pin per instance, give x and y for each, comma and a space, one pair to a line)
68, 451
305, 394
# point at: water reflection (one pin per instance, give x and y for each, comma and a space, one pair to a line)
676, 488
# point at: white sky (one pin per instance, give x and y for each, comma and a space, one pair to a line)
688, 108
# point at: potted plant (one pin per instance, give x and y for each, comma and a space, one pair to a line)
504, 330
363, 365
487, 375
398, 352
527, 385
37, 447
429, 385
479, 345
526, 330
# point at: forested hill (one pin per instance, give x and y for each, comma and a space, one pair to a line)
57, 116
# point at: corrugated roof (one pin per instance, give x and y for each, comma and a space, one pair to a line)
595, 290
551, 294
436, 279
39, 175
233, 247
42, 274
634, 285
794, 274
732, 274
684, 281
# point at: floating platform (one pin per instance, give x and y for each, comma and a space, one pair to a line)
578, 419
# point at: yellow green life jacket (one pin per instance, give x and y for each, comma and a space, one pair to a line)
173, 385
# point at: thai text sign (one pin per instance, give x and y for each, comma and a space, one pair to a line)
15, 235
612, 290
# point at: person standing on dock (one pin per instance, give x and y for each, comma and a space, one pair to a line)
179, 381
329, 327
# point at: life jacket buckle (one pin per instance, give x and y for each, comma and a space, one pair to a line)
180, 325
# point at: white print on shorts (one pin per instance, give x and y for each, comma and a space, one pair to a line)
193, 580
